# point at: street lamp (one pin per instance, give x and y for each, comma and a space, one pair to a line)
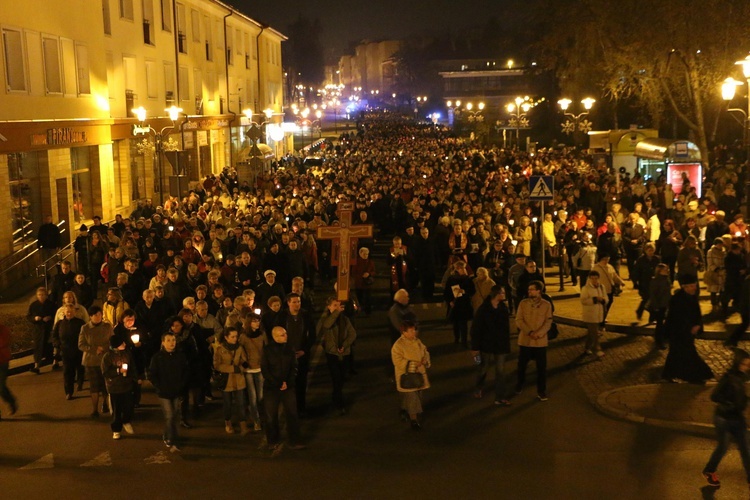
728, 89
727, 93
578, 122
159, 145
254, 134
518, 109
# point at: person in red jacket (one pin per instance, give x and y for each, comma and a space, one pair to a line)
5, 393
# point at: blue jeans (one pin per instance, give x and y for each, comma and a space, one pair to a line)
726, 428
498, 361
238, 397
254, 382
172, 414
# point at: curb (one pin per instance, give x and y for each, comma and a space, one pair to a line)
643, 330
677, 425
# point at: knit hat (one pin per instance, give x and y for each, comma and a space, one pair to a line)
83, 228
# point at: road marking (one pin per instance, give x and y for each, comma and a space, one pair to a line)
46, 462
102, 460
157, 458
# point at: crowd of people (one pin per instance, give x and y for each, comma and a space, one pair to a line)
213, 293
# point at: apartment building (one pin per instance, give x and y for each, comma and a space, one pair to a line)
70, 144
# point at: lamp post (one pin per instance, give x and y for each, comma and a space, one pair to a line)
254, 133
728, 90
518, 119
159, 146
474, 117
578, 123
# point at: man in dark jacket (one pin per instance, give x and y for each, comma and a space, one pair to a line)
458, 292
279, 368
61, 283
426, 264
169, 372
48, 238
642, 274
731, 400
301, 337
490, 342
41, 312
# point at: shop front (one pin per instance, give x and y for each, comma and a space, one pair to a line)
678, 160
57, 168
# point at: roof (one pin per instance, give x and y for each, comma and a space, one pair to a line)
248, 18
670, 150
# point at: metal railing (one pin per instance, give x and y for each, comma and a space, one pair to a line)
58, 256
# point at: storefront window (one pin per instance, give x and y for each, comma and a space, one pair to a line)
23, 170
83, 200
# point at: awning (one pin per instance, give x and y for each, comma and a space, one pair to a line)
668, 150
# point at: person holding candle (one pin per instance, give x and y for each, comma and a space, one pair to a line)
120, 375
136, 338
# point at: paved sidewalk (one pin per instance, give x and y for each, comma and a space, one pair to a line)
626, 384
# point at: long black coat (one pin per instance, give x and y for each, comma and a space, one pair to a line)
490, 331
683, 361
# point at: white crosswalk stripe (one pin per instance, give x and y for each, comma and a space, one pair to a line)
101, 460
46, 462
157, 458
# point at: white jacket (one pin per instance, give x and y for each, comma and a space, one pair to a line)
593, 312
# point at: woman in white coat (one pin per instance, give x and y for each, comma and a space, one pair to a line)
409, 355
593, 300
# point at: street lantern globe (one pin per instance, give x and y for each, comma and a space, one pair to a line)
268, 112
588, 102
526, 107
449, 104
519, 100
174, 112
458, 103
305, 112
728, 88
480, 106
469, 106
277, 134
318, 114
140, 113
510, 107
564, 103
248, 112
745, 63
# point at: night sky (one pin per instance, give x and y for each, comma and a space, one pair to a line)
352, 20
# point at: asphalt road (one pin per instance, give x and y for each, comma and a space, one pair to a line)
468, 448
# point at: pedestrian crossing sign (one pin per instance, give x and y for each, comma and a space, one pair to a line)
541, 187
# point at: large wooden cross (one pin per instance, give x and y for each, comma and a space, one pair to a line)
344, 238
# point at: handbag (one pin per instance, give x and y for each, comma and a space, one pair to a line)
413, 380
553, 332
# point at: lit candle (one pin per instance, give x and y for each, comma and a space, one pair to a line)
135, 338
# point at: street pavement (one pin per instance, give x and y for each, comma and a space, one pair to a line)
563, 448
611, 429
